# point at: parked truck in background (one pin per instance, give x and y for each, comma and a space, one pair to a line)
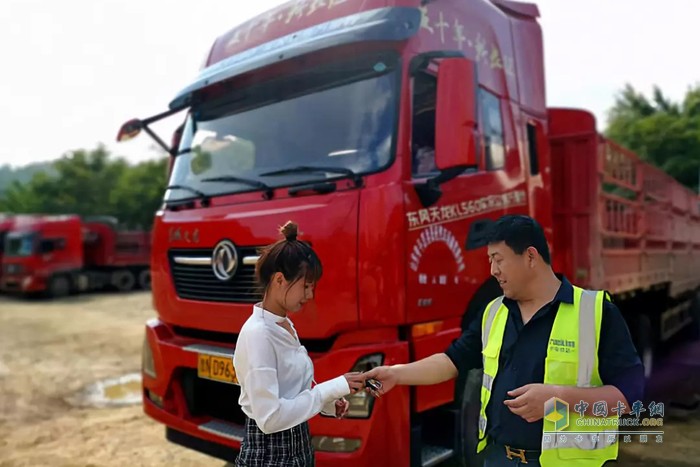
394, 133
6, 222
58, 255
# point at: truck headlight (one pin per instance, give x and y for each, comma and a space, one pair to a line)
331, 444
148, 367
361, 404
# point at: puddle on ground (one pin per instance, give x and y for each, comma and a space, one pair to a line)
114, 392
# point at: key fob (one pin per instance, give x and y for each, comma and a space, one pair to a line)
373, 384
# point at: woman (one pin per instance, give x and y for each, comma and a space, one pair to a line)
274, 369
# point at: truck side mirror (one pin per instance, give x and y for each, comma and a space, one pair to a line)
455, 138
129, 130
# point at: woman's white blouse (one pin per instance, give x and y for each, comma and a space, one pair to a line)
275, 374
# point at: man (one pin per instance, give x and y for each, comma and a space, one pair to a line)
543, 338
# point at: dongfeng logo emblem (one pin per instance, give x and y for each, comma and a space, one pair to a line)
224, 260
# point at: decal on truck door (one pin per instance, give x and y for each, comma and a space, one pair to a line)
454, 212
436, 233
429, 239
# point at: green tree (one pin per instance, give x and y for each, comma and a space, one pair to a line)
661, 131
8, 174
139, 193
90, 183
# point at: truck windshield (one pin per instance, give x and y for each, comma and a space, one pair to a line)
19, 244
339, 116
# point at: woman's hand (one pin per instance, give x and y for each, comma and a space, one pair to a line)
341, 407
356, 381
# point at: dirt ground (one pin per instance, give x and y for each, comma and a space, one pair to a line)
51, 351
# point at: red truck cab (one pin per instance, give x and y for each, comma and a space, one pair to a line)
37, 250
6, 223
393, 132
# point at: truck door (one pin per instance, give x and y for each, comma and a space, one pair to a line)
446, 258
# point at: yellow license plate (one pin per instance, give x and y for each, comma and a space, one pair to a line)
216, 368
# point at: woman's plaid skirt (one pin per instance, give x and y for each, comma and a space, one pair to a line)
288, 448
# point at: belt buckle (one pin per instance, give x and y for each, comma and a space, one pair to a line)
519, 453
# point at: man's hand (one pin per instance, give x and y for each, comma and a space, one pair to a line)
435, 369
383, 374
341, 407
356, 381
529, 400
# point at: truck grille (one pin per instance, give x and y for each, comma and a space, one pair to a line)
13, 268
198, 282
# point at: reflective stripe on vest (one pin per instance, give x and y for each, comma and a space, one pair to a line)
586, 339
487, 380
488, 320
573, 342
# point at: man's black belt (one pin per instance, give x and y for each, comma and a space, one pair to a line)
514, 453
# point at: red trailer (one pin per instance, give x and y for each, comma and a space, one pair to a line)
623, 225
63, 254
394, 132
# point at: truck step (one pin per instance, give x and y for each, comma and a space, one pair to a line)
433, 455
224, 429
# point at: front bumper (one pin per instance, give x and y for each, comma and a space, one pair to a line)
22, 284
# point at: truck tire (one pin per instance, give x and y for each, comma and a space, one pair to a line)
123, 280
145, 279
59, 286
468, 388
468, 404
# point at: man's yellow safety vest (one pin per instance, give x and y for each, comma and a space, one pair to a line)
572, 360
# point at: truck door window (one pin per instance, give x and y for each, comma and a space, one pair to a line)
49, 245
492, 128
532, 149
423, 140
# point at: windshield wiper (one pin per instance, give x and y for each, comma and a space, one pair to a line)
203, 197
246, 181
357, 179
187, 188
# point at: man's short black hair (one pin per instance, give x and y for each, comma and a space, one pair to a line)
519, 233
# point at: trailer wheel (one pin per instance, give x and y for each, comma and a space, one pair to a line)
59, 286
469, 404
123, 280
145, 279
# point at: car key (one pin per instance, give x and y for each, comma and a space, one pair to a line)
373, 384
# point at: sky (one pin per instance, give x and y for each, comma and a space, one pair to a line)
75, 70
